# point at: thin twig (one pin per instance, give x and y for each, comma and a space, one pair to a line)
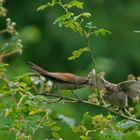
74, 100
94, 65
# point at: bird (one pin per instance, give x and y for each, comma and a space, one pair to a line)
118, 94
62, 80
115, 94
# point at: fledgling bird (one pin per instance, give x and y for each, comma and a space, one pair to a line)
62, 80
116, 94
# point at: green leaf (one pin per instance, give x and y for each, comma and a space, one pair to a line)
55, 135
74, 3
85, 14
7, 112
102, 32
56, 128
77, 53
67, 120
90, 25
63, 18
83, 137
70, 24
3, 68
42, 7
132, 135
137, 32
35, 111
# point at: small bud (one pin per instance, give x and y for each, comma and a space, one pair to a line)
19, 40
6, 44
13, 24
49, 86
42, 78
131, 77
36, 80
138, 78
8, 20
131, 109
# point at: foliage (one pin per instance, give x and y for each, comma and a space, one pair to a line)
104, 128
24, 114
10, 42
81, 23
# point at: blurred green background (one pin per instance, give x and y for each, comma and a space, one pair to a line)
49, 46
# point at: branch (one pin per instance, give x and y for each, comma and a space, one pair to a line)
74, 100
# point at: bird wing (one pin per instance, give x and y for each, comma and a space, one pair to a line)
65, 77
131, 88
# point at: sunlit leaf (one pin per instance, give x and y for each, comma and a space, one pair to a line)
102, 32
63, 18
85, 14
77, 53
137, 32
56, 128
7, 112
67, 120
42, 7
74, 3
55, 135
35, 111
3, 68
83, 138
86, 114
132, 135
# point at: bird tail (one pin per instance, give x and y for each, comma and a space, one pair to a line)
38, 69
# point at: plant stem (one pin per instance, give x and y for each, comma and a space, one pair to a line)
86, 35
94, 65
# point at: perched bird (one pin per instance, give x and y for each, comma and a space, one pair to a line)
116, 94
61, 80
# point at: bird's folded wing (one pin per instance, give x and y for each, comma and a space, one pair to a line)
65, 77
131, 88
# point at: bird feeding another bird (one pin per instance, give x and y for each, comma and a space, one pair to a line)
115, 94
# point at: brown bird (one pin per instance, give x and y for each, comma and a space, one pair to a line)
62, 80
116, 94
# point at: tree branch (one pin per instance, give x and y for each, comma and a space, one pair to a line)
75, 100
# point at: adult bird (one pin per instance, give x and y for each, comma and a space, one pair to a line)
67, 81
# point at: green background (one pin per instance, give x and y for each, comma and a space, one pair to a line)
49, 46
